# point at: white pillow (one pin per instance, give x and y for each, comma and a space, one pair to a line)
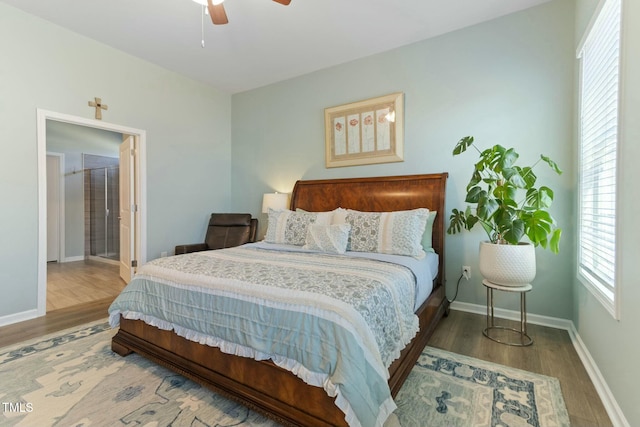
328, 238
398, 232
427, 237
288, 227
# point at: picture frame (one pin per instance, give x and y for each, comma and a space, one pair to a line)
365, 132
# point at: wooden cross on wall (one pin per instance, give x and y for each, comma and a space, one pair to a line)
97, 104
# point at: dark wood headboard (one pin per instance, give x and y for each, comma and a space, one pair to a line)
379, 194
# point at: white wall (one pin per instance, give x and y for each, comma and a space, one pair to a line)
188, 139
506, 81
614, 344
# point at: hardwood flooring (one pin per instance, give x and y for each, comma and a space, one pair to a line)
552, 352
79, 282
77, 292
54, 321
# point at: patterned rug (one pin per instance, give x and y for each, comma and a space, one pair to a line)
72, 378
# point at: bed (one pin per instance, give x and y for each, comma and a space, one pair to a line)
265, 386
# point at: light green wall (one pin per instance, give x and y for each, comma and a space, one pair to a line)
188, 139
504, 81
614, 344
508, 81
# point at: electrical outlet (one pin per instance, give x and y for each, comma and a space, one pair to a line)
466, 272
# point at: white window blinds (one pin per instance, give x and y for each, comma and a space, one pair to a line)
600, 54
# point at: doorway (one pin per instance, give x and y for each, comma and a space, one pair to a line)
102, 207
137, 241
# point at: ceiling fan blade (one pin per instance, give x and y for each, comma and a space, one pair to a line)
218, 15
283, 2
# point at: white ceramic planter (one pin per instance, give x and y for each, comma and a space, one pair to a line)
508, 265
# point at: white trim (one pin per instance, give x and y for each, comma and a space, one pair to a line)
104, 260
41, 126
620, 211
587, 31
18, 317
141, 171
74, 258
604, 392
535, 319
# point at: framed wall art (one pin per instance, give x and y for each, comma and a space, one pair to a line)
365, 132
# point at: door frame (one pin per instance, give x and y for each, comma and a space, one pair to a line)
140, 170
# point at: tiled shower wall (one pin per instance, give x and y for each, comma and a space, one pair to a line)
102, 230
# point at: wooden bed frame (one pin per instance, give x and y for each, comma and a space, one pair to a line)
263, 386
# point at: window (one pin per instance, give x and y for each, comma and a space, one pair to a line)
599, 86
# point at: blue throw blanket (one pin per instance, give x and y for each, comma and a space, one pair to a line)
336, 322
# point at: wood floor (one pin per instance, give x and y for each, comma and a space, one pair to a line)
552, 352
77, 292
79, 282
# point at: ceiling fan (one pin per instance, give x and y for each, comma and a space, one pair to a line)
217, 13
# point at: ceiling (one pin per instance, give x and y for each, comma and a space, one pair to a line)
264, 41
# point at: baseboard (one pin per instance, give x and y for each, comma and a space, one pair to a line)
104, 260
73, 258
536, 319
608, 400
604, 392
18, 317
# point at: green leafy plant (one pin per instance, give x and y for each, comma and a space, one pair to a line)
506, 202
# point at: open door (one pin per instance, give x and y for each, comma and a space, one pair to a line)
127, 207
53, 208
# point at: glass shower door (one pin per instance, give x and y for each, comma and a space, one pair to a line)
104, 208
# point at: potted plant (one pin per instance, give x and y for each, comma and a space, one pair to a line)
504, 200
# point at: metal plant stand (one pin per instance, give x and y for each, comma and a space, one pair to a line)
524, 339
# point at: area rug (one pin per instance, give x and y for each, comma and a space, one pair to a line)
72, 378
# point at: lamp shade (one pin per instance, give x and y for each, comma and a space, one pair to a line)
274, 201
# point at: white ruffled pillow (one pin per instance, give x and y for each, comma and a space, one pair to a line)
398, 232
328, 238
289, 227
